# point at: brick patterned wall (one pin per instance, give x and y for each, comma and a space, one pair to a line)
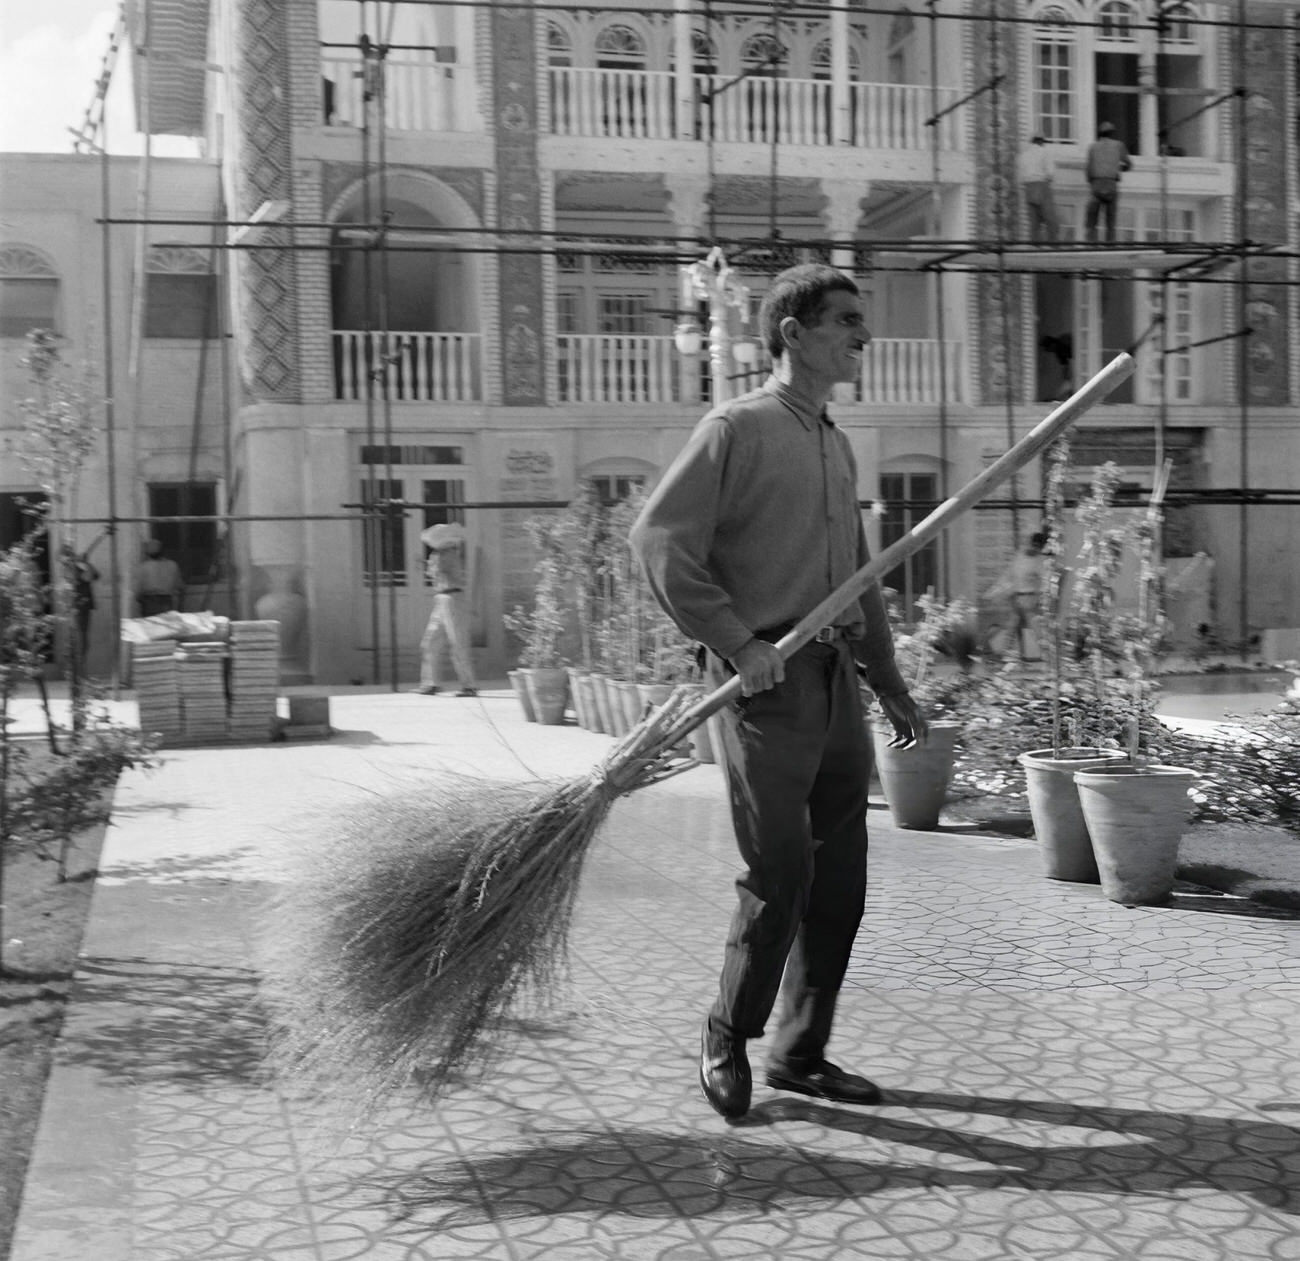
998, 305
514, 122
267, 277
1268, 64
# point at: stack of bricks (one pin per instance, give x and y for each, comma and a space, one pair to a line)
201, 682
254, 679
153, 673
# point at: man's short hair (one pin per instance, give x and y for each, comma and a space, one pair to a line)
1039, 140
1106, 129
799, 292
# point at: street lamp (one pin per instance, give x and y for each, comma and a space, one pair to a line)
712, 280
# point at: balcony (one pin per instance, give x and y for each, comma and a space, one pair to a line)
907, 370
640, 105
418, 367
617, 368
420, 93
592, 368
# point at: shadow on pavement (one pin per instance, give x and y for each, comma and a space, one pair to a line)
648, 1174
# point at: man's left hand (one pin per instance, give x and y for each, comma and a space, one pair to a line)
910, 726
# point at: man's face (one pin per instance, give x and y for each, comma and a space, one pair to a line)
830, 350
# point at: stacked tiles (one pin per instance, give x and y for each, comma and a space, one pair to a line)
254, 679
201, 676
153, 673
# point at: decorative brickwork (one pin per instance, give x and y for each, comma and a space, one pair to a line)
514, 119
999, 299
1266, 211
268, 284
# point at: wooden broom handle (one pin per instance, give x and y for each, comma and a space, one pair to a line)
1050, 427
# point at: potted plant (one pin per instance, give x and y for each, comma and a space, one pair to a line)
934, 658
542, 629
1136, 810
1054, 808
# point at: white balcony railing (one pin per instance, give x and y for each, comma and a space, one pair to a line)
593, 368
907, 370
636, 104
416, 367
420, 94
640, 104
617, 368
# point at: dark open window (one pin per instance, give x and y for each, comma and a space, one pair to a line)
181, 305
191, 544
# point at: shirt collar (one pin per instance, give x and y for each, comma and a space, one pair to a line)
803, 410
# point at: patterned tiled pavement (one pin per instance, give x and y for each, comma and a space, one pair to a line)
1064, 1077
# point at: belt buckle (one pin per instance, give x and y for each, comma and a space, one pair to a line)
825, 635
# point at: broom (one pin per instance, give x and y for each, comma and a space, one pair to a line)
402, 958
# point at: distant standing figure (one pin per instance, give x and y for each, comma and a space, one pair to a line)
1037, 170
1107, 159
84, 576
158, 582
449, 619
1019, 588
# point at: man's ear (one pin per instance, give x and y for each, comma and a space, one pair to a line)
790, 331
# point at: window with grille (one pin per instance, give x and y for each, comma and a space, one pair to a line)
621, 314
383, 536
29, 292
180, 294
1053, 77
191, 544
908, 499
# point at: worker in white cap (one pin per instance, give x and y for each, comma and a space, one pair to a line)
449, 619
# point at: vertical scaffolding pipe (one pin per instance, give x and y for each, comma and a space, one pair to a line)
1000, 228
372, 524
381, 108
1243, 343
936, 223
110, 406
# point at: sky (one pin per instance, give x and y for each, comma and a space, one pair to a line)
50, 57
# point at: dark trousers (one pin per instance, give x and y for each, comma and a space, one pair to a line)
1103, 201
796, 760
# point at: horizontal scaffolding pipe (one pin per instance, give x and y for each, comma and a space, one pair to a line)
792, 12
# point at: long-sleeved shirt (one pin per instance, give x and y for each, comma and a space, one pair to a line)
1107, 157
446, 569
1037, 165
755, 523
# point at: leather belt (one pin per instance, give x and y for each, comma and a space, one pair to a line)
826, 635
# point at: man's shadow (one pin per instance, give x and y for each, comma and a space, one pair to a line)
674, 1175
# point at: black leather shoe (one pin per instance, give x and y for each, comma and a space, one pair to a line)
724, 1074
823, 1080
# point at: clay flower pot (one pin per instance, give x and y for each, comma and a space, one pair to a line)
1136, 817
1059, 825
915, 781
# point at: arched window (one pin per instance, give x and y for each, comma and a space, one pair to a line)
704, 57
620, 48
559, 48
1053, 71
1115, 19
29, 292
763, 55
1178, 25
820, 62
180, 293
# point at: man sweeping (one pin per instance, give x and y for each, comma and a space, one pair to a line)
754, 524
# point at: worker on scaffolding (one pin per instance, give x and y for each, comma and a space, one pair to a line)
1107, 159
1037, 170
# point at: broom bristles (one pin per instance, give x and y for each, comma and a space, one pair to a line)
399, 957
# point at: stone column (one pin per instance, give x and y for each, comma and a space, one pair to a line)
841, 213
689, 201
683, 70
841, 107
